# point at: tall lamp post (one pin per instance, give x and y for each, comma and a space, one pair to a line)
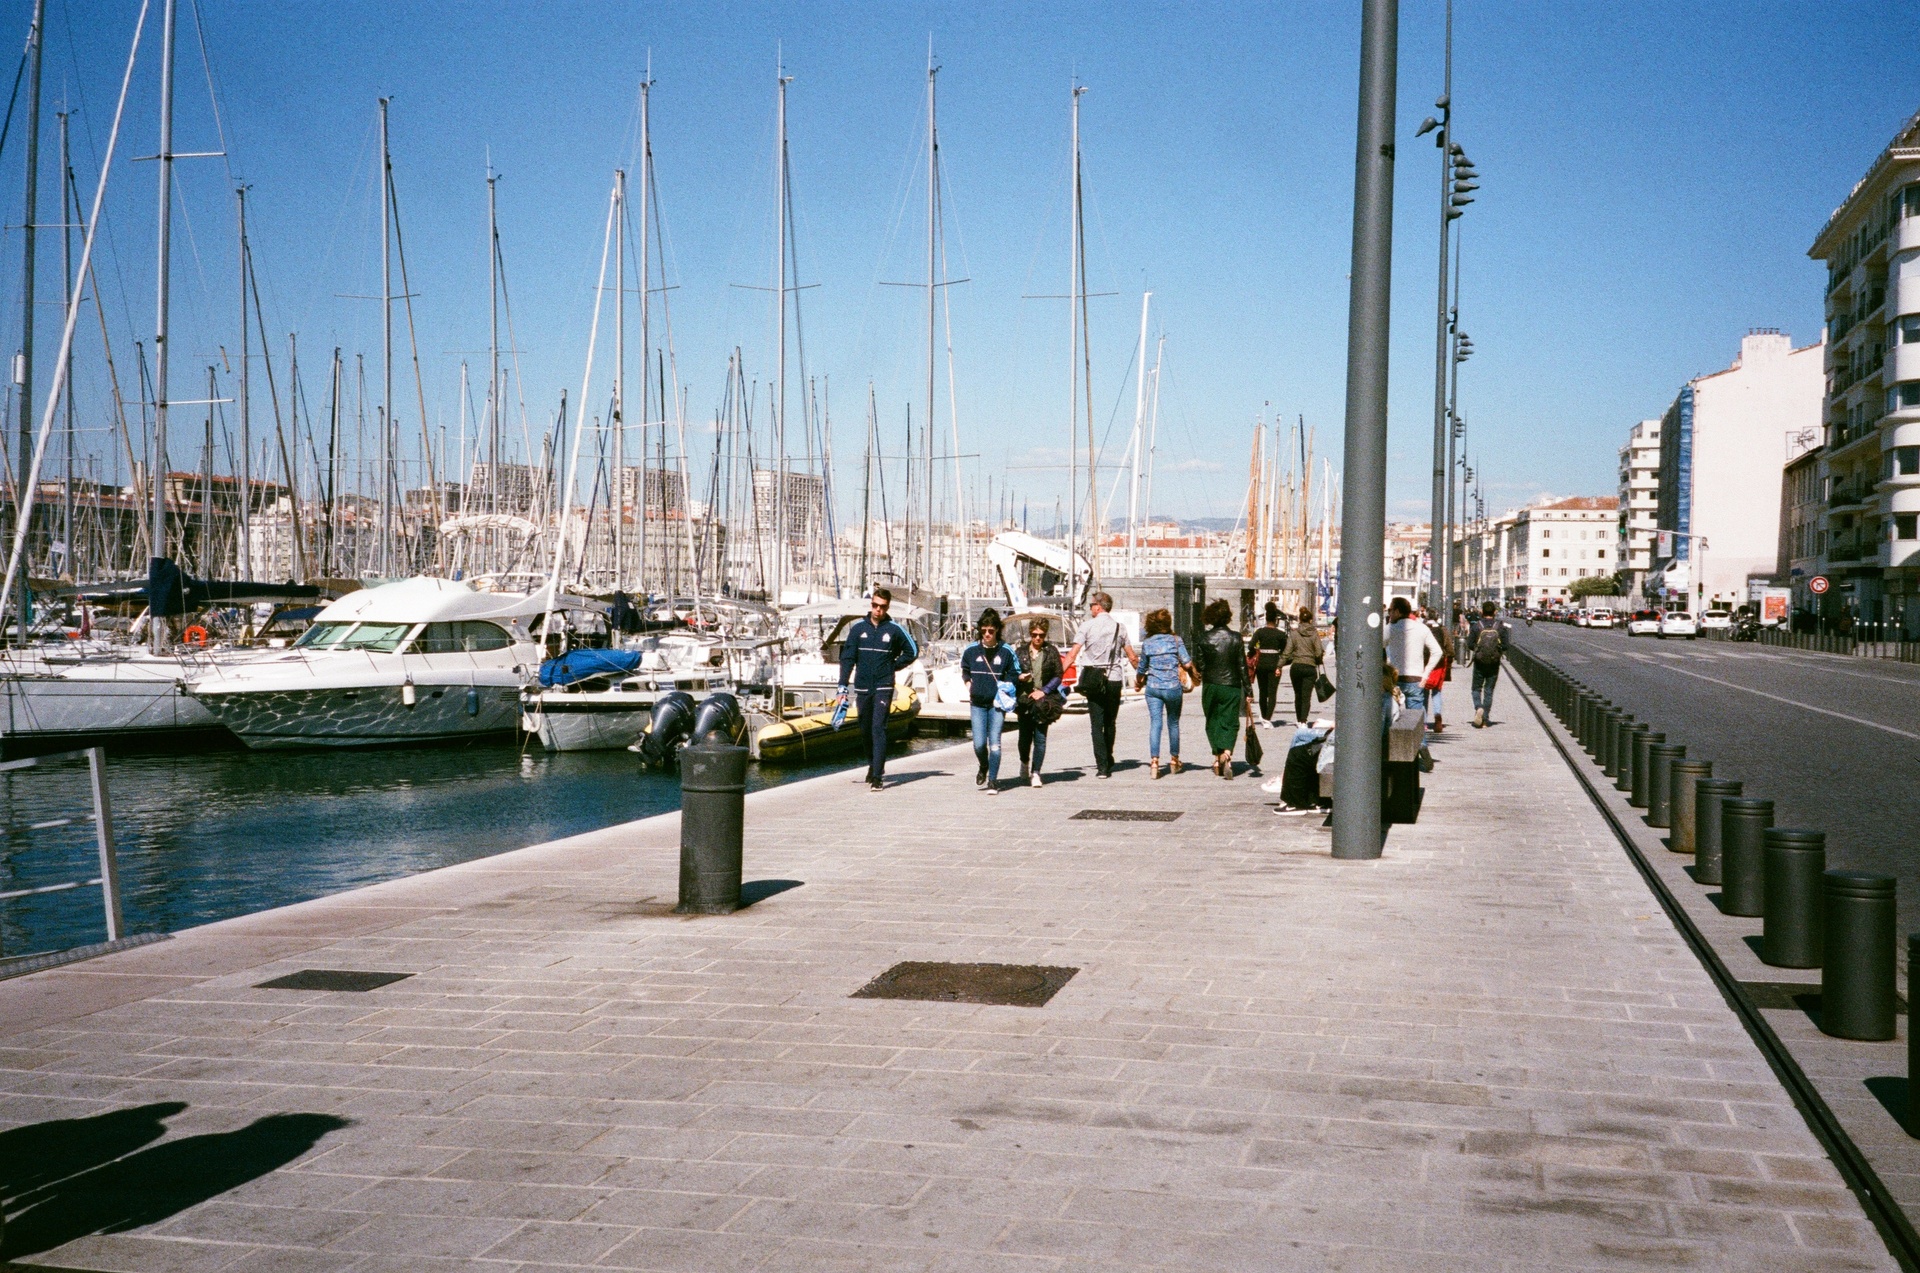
1456, 446
1357, 829
1457, 184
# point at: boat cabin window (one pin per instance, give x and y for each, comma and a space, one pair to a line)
321, 635
376, 638
461, 638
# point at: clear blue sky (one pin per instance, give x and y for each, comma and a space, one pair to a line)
1652, 176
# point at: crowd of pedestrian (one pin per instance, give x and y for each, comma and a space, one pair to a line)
1239, 679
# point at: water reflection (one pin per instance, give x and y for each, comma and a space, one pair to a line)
209, 836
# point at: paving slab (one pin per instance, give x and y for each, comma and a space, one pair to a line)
1488, 1049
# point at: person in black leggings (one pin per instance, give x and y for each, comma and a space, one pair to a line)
1267, 645
1302, 657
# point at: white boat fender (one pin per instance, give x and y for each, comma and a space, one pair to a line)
408, 696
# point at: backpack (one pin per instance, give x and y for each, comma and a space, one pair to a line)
1486, 645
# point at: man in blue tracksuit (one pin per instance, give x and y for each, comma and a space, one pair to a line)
874, 649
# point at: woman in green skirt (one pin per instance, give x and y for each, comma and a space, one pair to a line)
1226, 693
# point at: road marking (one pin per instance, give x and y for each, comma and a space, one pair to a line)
1790, 702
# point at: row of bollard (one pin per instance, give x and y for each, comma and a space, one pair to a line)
1841, 922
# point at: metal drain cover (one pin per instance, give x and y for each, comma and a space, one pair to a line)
1018, 985
333, 979
1126, 815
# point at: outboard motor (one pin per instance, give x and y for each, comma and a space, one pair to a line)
671, 724
720, 720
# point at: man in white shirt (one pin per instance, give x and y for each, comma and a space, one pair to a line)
1098, 653
1412, 651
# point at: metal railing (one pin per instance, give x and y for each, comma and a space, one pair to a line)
108, 880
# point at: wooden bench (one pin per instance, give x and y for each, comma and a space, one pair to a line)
1401, 788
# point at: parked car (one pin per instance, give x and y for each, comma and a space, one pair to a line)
1579, 619
1644, 623
1716, 620
1679, 623
1598, 618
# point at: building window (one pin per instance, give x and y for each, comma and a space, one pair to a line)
1910, 329
1906, 394
1904, 526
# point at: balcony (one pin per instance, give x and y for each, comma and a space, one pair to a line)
1843, 548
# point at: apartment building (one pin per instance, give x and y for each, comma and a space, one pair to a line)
1552, 545
1717, 512
1639, 502
1871, 404
1803, 526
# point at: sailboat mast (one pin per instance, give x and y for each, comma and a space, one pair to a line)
646, 312
1139, 429
780, 336
244, 551
24, 601
933, 204
618, 504
156, 626
1073, 367
67, 219
1153, 427
386, 345
493, 349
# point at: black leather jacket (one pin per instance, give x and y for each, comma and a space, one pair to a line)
1223, 658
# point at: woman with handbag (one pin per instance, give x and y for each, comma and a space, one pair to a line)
1303, 657
1438, 678
1166, 674
1226, 693
1040, 701
990, 670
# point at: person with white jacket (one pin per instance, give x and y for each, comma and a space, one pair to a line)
1412, 651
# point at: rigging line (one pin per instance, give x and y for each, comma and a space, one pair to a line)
513, 344
413, 344
13, 98
213, 94
93, 150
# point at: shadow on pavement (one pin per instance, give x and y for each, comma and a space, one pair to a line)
753, 891
69, 1178
1891, 1091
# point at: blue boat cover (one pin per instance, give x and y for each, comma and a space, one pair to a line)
579, 665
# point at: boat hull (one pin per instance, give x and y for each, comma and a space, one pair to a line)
365, 715
124, 704
604, 721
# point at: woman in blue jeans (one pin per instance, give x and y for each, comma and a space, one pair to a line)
990, 670
1162, 656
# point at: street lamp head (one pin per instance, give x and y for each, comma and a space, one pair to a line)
1427, 125
1442, 102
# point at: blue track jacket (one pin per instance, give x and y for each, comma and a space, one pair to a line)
871, 654
985, 669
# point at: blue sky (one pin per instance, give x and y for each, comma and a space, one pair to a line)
1652, 176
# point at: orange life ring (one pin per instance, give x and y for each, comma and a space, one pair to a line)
195, 635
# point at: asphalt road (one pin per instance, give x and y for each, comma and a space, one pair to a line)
1833, 741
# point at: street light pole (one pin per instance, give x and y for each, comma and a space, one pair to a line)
1436, 540
1357, 829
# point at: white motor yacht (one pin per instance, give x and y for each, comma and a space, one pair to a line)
419, 661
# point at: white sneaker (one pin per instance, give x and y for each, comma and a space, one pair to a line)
1035, 781
1273, 784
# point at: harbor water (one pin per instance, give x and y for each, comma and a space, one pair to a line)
223, 833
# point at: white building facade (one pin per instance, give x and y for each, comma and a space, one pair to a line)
1721, 442
1639, 502
1871, 403
1552, 546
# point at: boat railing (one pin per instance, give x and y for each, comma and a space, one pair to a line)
108, 880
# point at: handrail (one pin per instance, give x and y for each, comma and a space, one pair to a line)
109, 878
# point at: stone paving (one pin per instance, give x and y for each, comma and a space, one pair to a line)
1487, 1050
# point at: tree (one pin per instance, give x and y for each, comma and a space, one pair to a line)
1596, 586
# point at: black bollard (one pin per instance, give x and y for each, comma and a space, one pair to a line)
1660, 782
1610, 742
1708, 795
1913, 1041
1794, 922
1857, 972
713, 799
1642, 773
1623, 757
1681, 805
1743, 829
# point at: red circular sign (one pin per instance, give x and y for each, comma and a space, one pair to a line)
1817, 585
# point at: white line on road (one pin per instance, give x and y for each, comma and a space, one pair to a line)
1790, 702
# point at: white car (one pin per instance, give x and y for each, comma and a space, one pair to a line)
1599, 618
1678, 623
1579, 618
1644, 623
1716, 620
